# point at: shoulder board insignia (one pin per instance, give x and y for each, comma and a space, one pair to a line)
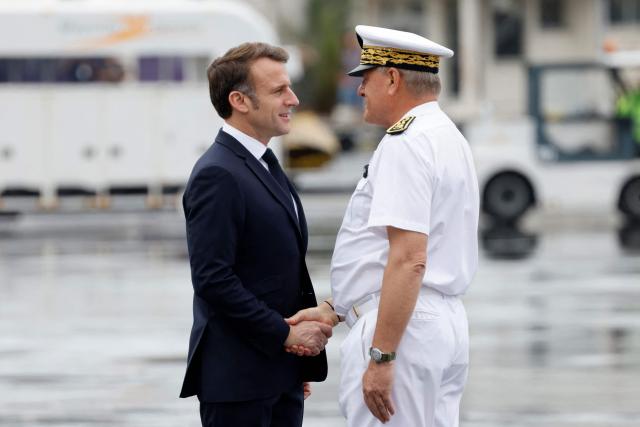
401, 125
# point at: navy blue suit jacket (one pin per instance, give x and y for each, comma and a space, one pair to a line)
247, 254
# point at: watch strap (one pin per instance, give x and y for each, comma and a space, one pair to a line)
382, 356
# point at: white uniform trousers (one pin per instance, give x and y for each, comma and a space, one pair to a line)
430, 370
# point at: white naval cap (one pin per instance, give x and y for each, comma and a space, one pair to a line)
392, 48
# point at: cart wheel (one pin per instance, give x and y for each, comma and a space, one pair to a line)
507, 196
630, 199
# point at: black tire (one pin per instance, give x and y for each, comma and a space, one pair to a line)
507, 196
630, 199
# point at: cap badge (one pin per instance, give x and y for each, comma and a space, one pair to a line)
401, 125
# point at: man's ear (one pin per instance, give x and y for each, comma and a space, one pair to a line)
394, 78
238, 102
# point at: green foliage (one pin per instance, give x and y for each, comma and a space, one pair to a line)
327, 21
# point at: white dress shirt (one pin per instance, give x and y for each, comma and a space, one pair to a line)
255, 147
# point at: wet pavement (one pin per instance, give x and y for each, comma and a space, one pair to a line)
95, 312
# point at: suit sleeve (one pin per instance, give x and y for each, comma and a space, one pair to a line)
214, 212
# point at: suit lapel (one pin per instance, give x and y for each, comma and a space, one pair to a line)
274, 188
264, 176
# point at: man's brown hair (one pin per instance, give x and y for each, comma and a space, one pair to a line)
231, 72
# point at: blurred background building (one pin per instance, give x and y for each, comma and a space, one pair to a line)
494, 40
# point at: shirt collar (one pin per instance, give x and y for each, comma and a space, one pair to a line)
423, 109
254, 146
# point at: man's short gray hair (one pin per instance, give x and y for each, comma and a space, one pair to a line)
420, 82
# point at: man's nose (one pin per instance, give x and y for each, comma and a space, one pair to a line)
293, 99
360, 90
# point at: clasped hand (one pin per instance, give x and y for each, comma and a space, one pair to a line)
310, 335
311, 329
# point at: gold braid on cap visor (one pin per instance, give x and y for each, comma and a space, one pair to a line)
375, 55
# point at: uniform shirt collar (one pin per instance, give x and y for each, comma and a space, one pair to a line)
423, 109
255, 147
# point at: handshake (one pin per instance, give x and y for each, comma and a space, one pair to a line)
310, 330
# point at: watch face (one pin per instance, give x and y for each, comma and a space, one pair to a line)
376, 354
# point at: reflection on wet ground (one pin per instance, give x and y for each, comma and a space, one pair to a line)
629, 236
95, 313
506, 241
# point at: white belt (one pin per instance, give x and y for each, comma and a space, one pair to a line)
365, 305
370, 302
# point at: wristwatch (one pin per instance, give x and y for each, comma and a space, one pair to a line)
379, 356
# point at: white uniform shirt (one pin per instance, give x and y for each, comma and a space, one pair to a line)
420, 180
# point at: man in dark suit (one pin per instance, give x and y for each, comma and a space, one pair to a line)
247, 239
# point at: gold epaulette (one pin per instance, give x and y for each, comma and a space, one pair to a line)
401, 125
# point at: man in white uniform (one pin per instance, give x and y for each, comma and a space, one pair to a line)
407, 248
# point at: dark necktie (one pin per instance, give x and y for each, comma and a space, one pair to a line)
276, 170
